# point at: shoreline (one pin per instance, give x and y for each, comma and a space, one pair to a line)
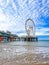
23, 53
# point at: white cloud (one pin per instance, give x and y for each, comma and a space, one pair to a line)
39, 32
8, 22
14, 5
4, 3
2, 16
42, 31
16, 22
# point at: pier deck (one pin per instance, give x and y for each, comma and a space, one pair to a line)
27, 38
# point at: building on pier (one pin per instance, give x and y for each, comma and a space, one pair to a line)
7, 36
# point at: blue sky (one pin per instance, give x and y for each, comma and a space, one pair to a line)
14, 13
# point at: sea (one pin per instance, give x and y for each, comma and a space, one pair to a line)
29, 52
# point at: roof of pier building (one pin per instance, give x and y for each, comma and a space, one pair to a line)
8, 34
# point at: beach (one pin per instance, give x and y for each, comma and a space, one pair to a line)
24, 53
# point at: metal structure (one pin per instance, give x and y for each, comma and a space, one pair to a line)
30, 27
30, 30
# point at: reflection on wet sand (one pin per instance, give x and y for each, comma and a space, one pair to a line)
23, 54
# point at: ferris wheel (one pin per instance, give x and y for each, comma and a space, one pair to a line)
30, 27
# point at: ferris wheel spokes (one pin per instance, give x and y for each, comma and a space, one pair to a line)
30, 27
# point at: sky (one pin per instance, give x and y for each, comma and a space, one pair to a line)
14, 13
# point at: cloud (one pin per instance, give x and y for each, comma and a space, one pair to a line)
14, 13
4, 3
42, 31
2, 16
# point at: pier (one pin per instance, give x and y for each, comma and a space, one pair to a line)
30, 31
27, 38
7, 36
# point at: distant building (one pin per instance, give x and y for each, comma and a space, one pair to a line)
7, 36
1, 37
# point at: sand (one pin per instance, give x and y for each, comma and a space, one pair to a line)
25, 59
23, 55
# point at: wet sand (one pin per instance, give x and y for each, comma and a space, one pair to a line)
27, 59
23, 55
